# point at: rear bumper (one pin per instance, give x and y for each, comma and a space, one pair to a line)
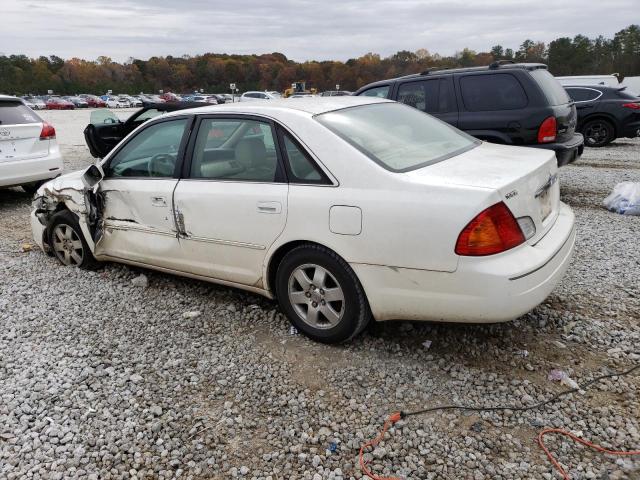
631, 130
566, 152
482, 290
21, 172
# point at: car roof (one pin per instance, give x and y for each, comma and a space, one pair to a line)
494, 67
9, 98
309, 105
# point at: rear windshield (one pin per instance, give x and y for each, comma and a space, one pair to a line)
555, 93
397, 137
627, 94
16, 113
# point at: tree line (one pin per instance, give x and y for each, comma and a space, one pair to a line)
211, 72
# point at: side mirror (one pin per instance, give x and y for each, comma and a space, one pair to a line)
92, 176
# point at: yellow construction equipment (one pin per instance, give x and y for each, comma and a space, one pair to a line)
299, 87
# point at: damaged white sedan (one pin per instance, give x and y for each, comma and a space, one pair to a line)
342, 208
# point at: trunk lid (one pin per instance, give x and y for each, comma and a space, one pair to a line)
20, 129
22, 142
525, 178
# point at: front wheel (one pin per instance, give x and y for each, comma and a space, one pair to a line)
68, 244
598, 133
321, 295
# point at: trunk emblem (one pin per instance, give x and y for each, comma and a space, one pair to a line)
549, 183
511, 194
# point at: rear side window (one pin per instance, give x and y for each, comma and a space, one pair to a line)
583, 94
501, 91
556, 95
421, 95
380, 92
17, 113
300, 167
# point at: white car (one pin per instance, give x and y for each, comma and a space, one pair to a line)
250, 96
117, 102
608, 80
29, 153
342, 208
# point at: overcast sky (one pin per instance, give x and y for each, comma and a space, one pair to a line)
302, 30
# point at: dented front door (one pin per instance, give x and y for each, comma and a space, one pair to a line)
137, 193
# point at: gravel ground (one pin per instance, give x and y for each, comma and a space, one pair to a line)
100, 378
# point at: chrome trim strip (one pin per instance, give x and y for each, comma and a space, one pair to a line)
549, 183
231, 243
135, 228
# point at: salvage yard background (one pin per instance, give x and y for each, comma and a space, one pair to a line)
101, 378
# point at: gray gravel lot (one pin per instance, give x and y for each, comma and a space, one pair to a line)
100, 378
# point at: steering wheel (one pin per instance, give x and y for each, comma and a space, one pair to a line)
161, 165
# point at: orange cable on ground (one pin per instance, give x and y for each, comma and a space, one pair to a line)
393, 418
579, 440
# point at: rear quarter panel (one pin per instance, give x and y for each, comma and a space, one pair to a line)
404, 223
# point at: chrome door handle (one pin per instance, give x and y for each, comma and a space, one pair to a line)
269, 207
158, 201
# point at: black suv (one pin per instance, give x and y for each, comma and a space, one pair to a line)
510, 103
605, 113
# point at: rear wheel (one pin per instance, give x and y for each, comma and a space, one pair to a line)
68, 244
321, 295
598, 133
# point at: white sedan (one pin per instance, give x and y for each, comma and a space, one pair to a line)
343, 208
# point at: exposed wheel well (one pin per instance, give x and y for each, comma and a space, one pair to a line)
61, 206
278, 255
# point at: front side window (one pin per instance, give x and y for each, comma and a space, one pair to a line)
379, 92
397, 137
484, 93
151, 153
235, 149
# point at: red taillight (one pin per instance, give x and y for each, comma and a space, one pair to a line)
548, 130
632, 106
47, 131
494, 230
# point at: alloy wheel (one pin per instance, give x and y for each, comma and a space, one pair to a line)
316, 296
596, 133
67, 245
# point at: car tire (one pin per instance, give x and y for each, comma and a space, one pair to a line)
67, 242
32, 188
598, 133
321, 295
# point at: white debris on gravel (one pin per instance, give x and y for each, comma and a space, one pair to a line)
140, 281
102, 379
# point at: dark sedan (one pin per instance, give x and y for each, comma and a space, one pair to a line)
605, 113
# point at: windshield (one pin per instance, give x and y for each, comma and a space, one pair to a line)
552, 89
398, 137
